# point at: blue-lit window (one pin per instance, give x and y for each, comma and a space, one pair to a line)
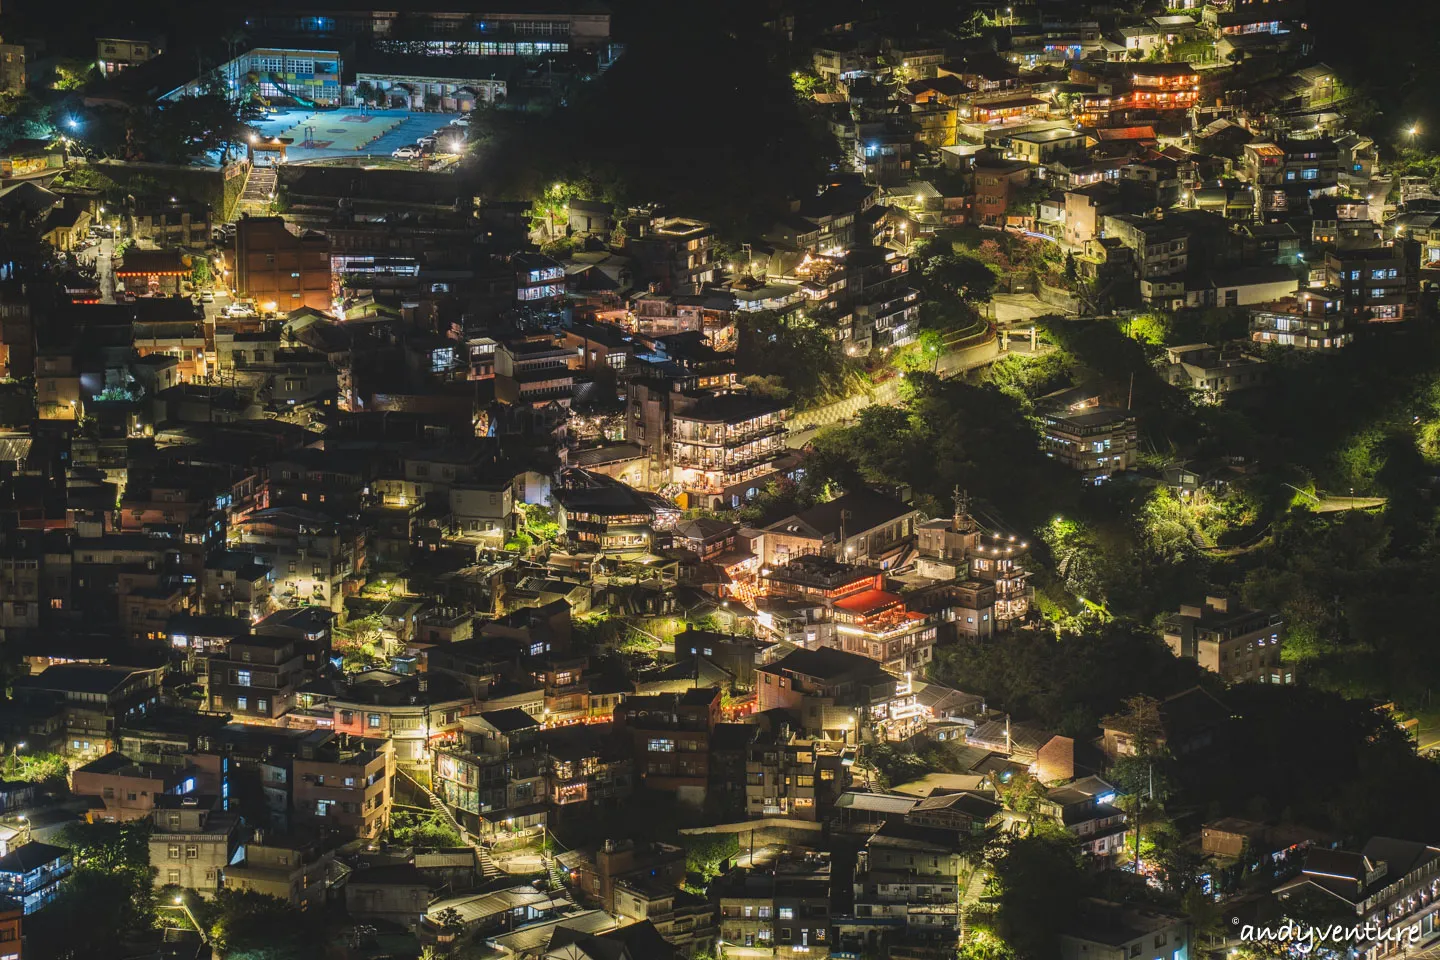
1310, 173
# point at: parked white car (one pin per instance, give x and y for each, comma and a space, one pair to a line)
406, 153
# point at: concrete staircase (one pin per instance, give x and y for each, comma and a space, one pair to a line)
488, 867
259, 190
555, 873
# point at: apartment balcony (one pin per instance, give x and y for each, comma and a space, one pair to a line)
576, 790
731, 436
738, 468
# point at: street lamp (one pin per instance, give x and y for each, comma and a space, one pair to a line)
180, 902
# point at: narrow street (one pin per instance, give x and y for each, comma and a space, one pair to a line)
804, 425
102, 256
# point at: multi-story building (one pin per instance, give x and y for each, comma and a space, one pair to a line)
12, 923
1161, 246
1086, 807
129, 791
343, 786
955, 548
492, 776
539, 280
114, 54
281, 270
787, 776
295, 871
722, 447
12, 68
839, 695
861, 526
1421, 228
1242, 646
603, 515
236, 584
1159, 87
192, 843
782, 913
796, 599
309, 553
1247, 17
1097, 441
586, 767
1389, 884
255, 678
412, 711
184, 223
1104, 930
629, 861
906, 888
30, 875
1313, 319
1375, 284
97, 700
877, 624
1286, 174
671, 735
675, 253
996, 181
524, 31
1215, 373
17, 326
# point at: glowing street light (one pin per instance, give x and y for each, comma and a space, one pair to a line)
180, 902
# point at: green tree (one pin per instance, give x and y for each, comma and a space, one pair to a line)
450, 920
106, 845
540, 522
964, 277
252, 926
1021, 794
72, 74
796, 350
93, 915
423, 830
1039, 883
705, 852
